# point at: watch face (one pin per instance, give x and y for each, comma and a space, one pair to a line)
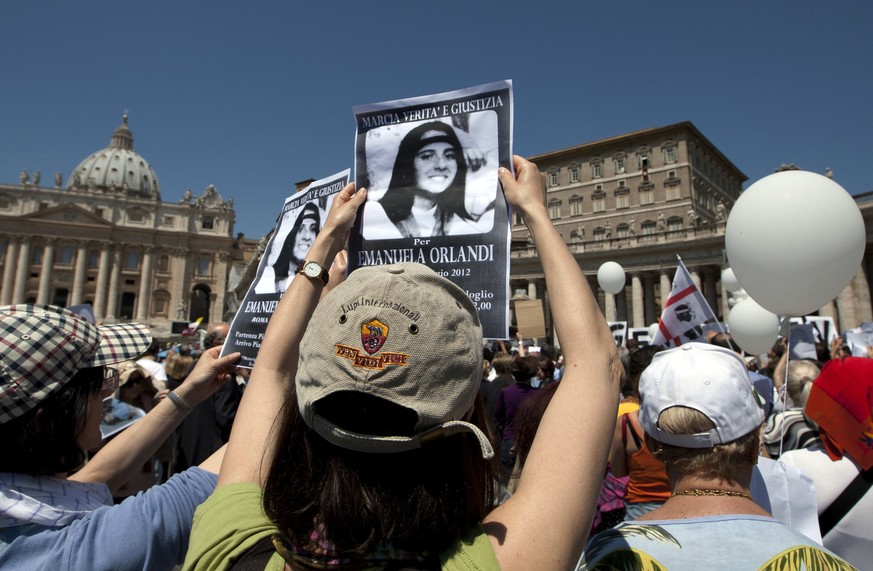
312, 270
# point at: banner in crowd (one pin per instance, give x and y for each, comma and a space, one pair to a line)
686, 313
430, 167
301, 219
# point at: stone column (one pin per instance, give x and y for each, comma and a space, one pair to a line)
181, 285
23, 271
666, 286
532, 289
219, 272
650, 313
100, 292
114, 279
725, 299
637, 293
79, 273
145, 286
45, 274
709, 290
846, 309
863, 306
9, 270
610, 311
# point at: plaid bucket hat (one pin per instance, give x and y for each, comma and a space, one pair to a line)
402, 333
42, 347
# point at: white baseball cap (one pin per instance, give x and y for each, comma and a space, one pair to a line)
707, 378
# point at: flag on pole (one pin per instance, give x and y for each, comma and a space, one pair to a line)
685, 313
192, 327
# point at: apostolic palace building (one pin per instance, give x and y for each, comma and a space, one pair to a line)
105, 237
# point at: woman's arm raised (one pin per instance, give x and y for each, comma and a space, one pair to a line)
545, 523
250, 449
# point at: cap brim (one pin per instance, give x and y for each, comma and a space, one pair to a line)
120, 342
392, 444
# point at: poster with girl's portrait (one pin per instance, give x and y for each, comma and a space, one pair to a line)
430, 167
300, 221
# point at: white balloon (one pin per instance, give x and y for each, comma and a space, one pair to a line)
737, 297
730, 282
611, 277
653, 330
795, 239
753, 328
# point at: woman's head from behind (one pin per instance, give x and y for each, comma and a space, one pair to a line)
700, 412
386, 416
177, 366
524, 368
801, 375
51, 384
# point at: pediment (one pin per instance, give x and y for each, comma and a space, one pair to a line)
68, 214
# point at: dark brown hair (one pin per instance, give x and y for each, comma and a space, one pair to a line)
419, 500
44, 440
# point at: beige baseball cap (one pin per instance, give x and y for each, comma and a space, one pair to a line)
402, 333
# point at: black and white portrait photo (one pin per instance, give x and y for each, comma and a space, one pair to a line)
287, 249
432, 178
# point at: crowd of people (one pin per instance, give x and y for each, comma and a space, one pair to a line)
385, 435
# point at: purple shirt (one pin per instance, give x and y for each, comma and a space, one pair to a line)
508, 402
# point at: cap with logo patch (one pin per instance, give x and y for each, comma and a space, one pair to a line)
401, 333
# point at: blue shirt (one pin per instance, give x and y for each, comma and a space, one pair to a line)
146, 531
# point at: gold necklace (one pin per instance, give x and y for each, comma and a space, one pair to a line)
706, 492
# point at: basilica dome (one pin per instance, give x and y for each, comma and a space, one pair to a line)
117, 168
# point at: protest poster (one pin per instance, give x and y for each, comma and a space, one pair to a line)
430, 166
640, 335
826, 329
619, 332
301, 219
858, 342
529, 318
801, 342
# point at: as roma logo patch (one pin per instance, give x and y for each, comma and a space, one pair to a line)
373, 335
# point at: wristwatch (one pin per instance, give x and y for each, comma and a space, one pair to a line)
313, 270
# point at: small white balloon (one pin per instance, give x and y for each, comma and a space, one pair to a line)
653, 330
611, 277
753, 328
795, 239
729, 280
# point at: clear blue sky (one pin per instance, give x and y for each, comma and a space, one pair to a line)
254, 96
